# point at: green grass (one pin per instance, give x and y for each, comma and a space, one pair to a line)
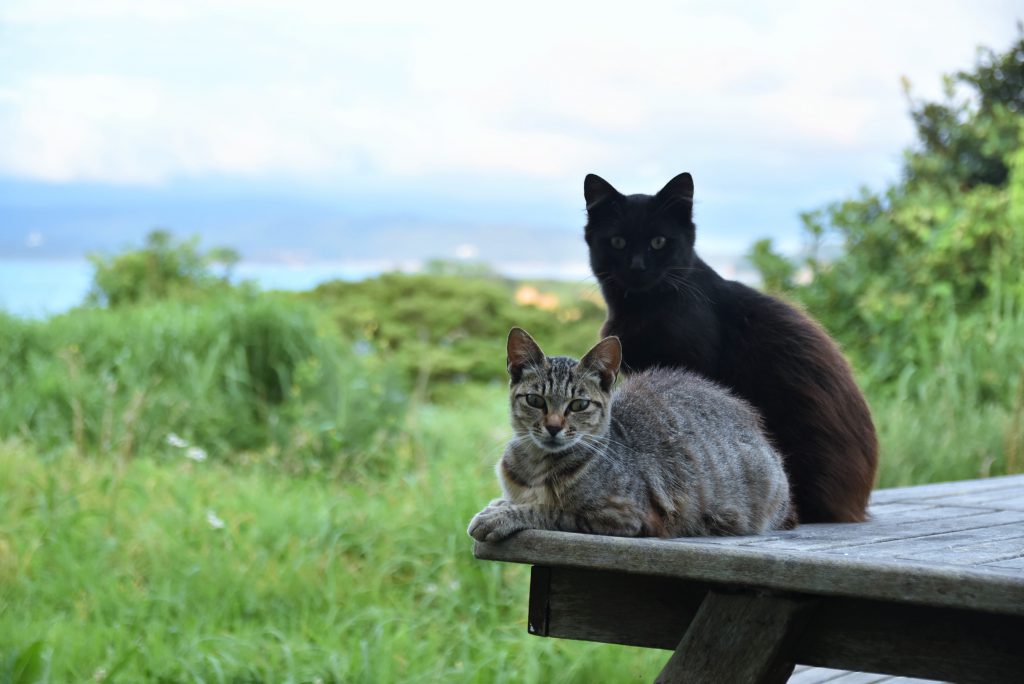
236, 374
342, 555
941, 442
115, 567
958, 412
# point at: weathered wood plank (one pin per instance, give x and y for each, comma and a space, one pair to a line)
1000, 499
978, 556
974, 547
906, 520
855, 678
999, 590
738, 638
939, 489
938, 643
804, 674
821, 675
1016, 563
895, 508
847, 536
611, 608
914, 513
849, 634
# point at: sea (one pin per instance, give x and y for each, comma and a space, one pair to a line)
37, 288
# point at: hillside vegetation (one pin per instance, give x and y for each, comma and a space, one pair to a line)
203, 482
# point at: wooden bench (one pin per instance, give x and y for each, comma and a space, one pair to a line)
932, 586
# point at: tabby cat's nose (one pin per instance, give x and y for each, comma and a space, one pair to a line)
554, 429
637, 264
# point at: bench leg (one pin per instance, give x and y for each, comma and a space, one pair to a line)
738, 638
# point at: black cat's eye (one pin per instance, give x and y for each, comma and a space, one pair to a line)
658, 242
618, 242
535, 400
579, 404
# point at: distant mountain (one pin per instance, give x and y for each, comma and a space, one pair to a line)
55, 221
288, 225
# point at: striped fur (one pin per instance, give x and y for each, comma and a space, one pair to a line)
666, 454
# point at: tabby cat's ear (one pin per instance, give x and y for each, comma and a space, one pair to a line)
597, 191
604, 359
680, 188
523, 352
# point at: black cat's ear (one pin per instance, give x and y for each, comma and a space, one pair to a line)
679, 188
597, 191
523, 353
604, 359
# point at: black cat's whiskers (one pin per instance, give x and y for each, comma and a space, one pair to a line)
594, 278
667, 280
594, 286
685, 286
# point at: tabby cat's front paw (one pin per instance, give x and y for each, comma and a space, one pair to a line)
495, 523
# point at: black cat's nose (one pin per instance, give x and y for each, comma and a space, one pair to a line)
554, 429
637, 264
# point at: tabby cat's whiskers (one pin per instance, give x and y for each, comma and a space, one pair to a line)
681, 457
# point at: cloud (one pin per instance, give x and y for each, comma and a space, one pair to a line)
146, 92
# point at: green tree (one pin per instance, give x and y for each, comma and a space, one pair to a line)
776, 270
963, 140
438, 329
943, 245
162, 268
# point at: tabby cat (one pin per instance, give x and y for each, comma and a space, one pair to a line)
666, 454
669, 308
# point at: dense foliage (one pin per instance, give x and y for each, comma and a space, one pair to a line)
437, 329
162, 268
937, 257
238, 373
323, 539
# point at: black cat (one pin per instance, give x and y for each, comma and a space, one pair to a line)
669, 308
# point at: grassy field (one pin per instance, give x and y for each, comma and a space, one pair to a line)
164, 569
314, 527
161, 568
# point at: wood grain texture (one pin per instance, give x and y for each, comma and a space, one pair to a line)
957, 645
922, 546
612, 608
738, 637
821, 675
1013, 483
847, 634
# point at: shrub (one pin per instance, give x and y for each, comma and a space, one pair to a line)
162, 268
236, 373
448, 328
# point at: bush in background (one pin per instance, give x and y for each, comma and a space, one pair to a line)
162, 268
443, 328
923, 283
233, 374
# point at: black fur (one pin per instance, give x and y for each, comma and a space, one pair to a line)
669, 308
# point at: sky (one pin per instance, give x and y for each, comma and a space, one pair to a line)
399, 131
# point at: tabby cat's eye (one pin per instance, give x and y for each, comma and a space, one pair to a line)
658, 242
579, 404
618, 242
535, 400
